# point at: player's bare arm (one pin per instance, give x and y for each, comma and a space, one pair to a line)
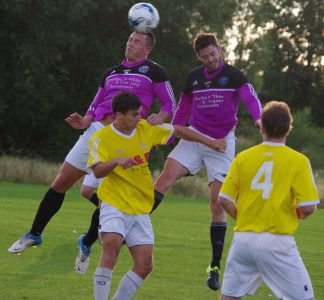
228, 206
304, 211
76, 121
101, 169
191, 135
158, 119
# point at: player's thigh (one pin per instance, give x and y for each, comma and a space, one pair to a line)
142, 257
285, 273
140, 240
140, 232
188, 155
78, 155
89, 185
91, 180
67, 177
223, 297
112, 220
241, 276
218, 163
172, 171
111, 245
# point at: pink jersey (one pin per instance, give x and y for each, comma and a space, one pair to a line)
146, 79
209, 101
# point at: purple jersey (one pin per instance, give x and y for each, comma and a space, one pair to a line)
146, 79
209, 101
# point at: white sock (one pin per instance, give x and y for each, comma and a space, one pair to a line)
102, 280
128, 286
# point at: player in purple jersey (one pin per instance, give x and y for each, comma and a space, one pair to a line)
135, 74
209, 103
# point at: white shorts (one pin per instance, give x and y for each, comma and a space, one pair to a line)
136, 229
194, 156
78, 155
91, 180
255, 258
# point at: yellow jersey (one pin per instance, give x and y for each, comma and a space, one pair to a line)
268, 182
129, 190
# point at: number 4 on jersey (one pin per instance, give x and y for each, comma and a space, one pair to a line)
264, 174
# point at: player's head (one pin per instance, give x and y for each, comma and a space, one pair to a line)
124, 101
208, 50
139, 46
127, 109
276, 119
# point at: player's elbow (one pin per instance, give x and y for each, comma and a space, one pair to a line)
177, 131
308, 209
97, 171
228, 206
225, 204
222, 202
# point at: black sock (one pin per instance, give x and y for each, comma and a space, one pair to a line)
217, 237
49, 206
92, 234
158, 197
94, 199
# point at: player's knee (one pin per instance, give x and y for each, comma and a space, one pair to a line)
165, 182
145, 268
109, 258
87, 192
217, 212
60, 186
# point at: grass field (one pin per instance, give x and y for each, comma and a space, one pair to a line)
182, 250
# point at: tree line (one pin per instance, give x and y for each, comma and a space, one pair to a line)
55, 52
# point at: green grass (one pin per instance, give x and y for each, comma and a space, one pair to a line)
182, 250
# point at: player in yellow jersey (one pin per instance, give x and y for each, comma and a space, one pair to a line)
262, 190
119, 153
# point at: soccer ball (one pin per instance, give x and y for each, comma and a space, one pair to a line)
143, 17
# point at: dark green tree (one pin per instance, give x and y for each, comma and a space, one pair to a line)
280, 46
54, 53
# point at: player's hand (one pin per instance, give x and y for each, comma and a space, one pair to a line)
218, 145
75, 120
154, 119
300, 214
125, 162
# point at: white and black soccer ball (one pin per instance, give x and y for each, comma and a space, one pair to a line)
143, 17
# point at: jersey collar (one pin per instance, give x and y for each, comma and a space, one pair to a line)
122, 134
273, 144
131, 65
211, 75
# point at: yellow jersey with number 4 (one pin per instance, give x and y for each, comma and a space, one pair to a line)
268, 182
129, 190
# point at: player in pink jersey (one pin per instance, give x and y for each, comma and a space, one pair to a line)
209, 103
135, 74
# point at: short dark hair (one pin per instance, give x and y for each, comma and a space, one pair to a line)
124, 101
150, 39
203, 40
276, 119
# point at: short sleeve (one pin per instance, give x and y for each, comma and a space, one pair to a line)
230, 186
304, 187
160, 134
95, 151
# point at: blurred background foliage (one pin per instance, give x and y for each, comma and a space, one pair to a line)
55, 52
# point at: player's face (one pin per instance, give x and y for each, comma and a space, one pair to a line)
136, 48
131, 118
210, 57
